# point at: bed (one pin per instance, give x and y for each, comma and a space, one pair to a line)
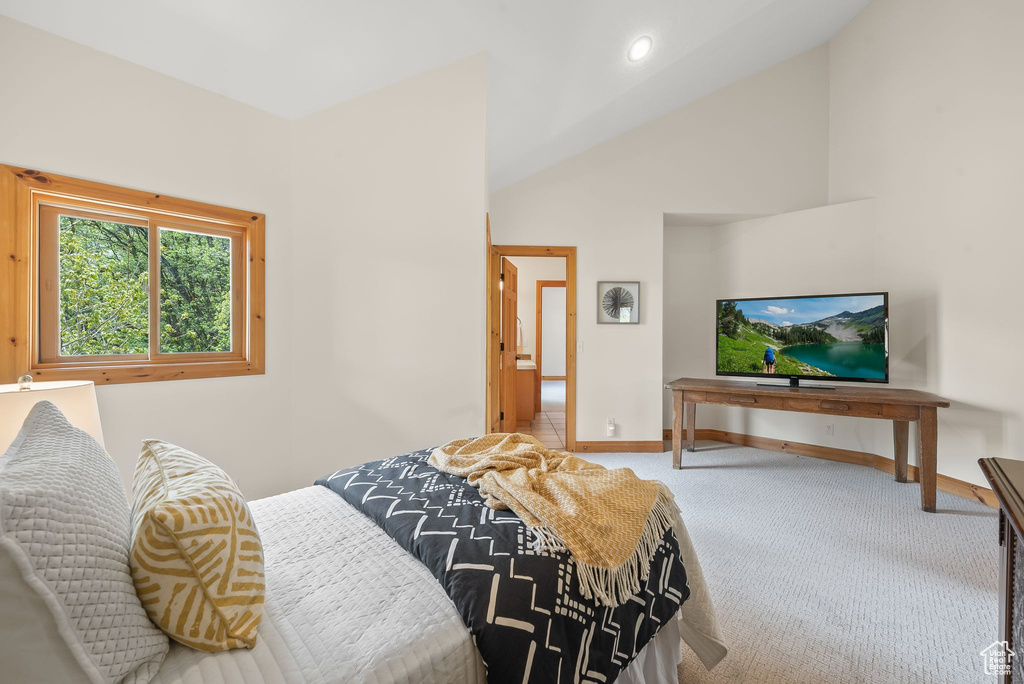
371, 612
347, 597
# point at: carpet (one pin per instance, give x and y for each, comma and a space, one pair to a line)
830, 572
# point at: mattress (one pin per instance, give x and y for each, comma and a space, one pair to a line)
346, 604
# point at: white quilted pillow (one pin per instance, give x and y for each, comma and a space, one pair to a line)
65, 523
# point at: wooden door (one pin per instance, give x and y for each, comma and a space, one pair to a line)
509, 329
493, 422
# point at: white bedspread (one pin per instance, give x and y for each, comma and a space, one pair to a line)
346, 604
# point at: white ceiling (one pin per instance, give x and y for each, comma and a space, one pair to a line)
558, 78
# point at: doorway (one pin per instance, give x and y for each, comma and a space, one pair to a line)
542, 403
549, 425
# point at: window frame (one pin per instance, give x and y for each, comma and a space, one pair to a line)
29, 318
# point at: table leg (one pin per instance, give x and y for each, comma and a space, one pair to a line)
691, 420
677, 429
926, 461
901, 439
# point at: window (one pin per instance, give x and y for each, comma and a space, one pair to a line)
118, 285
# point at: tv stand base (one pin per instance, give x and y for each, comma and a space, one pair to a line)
795, 382
902, 407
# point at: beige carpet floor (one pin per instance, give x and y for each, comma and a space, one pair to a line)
829, 572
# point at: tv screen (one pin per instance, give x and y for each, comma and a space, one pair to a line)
834, 337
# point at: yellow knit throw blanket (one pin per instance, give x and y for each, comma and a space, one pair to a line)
611, 521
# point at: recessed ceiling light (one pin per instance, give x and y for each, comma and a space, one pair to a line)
640, 48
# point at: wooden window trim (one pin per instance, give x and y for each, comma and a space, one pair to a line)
22, 194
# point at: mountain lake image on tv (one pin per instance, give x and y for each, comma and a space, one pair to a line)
841, 337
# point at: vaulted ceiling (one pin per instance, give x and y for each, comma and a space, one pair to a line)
558, 78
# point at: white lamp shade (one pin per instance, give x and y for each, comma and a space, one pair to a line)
75, 399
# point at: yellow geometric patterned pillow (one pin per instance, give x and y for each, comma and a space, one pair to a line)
196, 557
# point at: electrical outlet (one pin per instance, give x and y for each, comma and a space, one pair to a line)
830, 429
610, 428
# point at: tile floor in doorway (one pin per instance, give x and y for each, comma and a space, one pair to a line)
548, 425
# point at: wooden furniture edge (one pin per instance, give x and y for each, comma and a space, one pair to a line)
1011, 511
873, 394
526, 409
950, 485
1004, 492
620, 446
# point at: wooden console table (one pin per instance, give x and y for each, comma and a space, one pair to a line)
900, 406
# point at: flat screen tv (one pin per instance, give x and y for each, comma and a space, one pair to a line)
824, 337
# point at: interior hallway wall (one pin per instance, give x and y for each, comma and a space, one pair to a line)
532, 269
553, 332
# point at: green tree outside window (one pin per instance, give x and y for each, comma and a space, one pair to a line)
104, 289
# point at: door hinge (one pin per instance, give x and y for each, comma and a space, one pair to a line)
502, 347
502, 415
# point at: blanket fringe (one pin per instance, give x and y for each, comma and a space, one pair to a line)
614, 586
545, 539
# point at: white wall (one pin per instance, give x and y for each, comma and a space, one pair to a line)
760, 145
926, 104
927, 101
530, 270
375, 251
75, 111
816, 251
389, 203
916, 103
688, 349
553, 334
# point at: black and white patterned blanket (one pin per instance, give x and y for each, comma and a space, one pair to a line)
524, 610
